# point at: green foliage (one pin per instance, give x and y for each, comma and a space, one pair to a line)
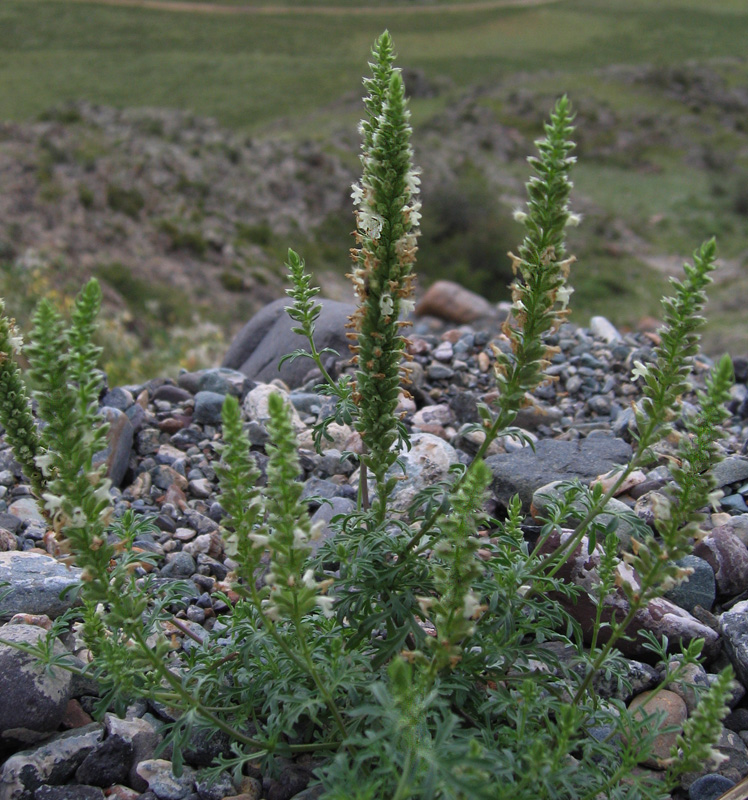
410, 661
127, 201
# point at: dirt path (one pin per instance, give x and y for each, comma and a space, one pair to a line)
217, 8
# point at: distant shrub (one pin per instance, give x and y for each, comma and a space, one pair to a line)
126, 201
86, 195
183, 238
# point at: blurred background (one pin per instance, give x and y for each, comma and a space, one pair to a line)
176, 151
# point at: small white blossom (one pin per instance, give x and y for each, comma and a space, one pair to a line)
259, 539
412, 181
520, 215
386, 304
300, 536
407, 307
308, 579
640, 371
45, 463
357, 194
325, 603
52, 502
573, 220
470, 605
563, 294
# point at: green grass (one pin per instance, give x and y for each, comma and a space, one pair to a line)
249, 70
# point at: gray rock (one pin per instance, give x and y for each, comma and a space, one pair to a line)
107, 764
427, 462
709, 787
143, 738
525, 470
626, 529
224, 381
208, 407
53, 762
78, 792
216, 790
255, 405
733, 625
266, 338
118, 398
697, 590
728, 557
337, 505
733, 469
38, 584
604, 329
120, 437
32, 699
163, 782
179, 565
27, 510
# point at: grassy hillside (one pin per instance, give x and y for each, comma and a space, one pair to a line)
248, 70
660, 89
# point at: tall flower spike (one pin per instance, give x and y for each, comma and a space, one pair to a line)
387, 215
15, 408
539, 292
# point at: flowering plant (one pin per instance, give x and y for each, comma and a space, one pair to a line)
404, 663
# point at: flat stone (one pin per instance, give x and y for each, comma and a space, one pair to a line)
525, 470
709, 787
37, 583
732, 469
53, 762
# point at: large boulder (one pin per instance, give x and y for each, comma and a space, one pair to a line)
524, 471
266, 338
32, 699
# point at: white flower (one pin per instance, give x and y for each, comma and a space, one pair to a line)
519, 215
308, 579
52, 502
259, 539
413, 214
470, 605
357, 194
16, 341
412, 181
573, 220
640, 371
371, 224
44, 463
407, 307
300, 536
325, 603
563, 294
386, 304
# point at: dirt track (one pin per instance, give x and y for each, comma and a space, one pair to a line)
217, 8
